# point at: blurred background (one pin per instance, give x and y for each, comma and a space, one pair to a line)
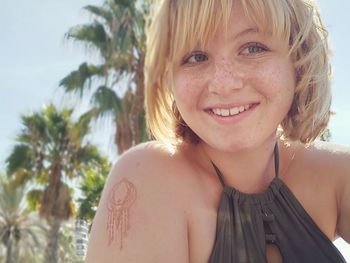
71, 100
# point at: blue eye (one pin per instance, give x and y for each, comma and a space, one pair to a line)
253, 48
195, 58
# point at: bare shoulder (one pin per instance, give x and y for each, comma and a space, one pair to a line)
330, 158
137, 161
139, 218
319, 176
326, 164
330, 148
335, 160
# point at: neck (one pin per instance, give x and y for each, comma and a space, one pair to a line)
247, 170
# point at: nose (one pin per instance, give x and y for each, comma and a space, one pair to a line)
226, 78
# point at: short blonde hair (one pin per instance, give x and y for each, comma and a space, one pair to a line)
178, 25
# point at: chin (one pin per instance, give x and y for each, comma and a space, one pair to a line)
238, 147
235, 145
231, 146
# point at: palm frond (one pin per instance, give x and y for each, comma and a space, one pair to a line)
34, 127
20, 157
125, 3
79, 81
124, 38
89, 154
33, 199
93, 36
21, 177
91, 187
100, 12
107, 101
117, 32
80, 128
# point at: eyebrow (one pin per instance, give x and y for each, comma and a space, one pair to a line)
251, 30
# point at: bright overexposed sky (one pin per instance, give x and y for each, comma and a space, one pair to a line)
34, 57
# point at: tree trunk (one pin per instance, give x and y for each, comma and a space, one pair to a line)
138, 105
51, 252
9, 252
123, 136
12, 252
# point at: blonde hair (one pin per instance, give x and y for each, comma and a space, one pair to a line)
178, 25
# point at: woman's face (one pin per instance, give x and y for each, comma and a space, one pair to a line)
235, 92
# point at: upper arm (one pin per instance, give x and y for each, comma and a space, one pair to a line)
136, 221
343, 222
343, 225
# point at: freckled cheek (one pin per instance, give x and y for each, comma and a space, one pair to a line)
188, 89
276, 81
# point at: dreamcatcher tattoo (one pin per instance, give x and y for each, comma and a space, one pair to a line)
120, 199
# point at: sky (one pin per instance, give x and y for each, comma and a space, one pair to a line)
34, 57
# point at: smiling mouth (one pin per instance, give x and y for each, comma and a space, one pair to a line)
227, 112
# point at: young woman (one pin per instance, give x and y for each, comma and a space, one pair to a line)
236, 93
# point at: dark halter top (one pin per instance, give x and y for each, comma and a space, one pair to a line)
247, 222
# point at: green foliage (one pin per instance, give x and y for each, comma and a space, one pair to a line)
67, 251
101, 12
51, 150
20, 157
94, 34
79, 81
326, 135
22, 233
117, 35
91, 188
33, 199
107, 101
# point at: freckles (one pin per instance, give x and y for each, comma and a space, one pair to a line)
189, 85
223, 70
276, 82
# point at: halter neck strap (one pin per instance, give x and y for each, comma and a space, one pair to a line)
276, 162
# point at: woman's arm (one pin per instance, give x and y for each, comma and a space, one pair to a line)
136, 220
343, 225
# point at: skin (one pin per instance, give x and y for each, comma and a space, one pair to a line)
241, 67
170, 199
120, 200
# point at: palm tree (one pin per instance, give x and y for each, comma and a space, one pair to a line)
91, 188
67, 251
21, 232
117, 35
51, 151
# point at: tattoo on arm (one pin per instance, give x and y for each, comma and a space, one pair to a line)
120, 199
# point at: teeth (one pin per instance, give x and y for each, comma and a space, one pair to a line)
230, 112
234, 111
225, 112
217, 111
